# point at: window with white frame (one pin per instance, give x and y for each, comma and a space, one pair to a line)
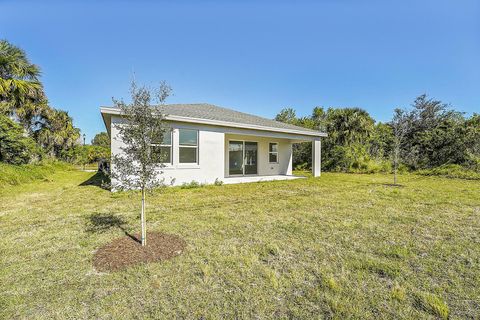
164, 148
188, 146
273, 152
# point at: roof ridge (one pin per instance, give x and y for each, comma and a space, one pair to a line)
241, 112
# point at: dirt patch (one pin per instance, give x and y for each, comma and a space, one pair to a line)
124, 252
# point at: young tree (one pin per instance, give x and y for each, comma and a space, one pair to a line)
400, 126
141, 132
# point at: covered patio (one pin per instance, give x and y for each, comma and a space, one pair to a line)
265, 156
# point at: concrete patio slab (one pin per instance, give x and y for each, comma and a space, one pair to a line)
249, 179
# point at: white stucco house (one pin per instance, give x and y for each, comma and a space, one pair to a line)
208, 142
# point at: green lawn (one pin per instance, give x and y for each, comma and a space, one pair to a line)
341, 246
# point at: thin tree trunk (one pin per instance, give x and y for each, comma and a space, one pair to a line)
395, 175
395, 164
142, 217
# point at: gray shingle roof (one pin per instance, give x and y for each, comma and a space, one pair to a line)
212, 112
219, 116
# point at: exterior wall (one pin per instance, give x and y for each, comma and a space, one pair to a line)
264, 168
213, 152
210, 155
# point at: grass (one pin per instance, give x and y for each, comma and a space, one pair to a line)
339, 246
89, 166
15, 175
434, 305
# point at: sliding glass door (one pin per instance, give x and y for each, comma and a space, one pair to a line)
242, 157
235, 157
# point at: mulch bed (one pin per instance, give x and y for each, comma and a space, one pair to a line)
127, 251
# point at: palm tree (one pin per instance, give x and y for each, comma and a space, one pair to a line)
349, 125
57, 133
21, 93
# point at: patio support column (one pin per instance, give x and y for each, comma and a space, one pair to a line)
316, 157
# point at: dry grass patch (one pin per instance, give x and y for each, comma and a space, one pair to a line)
341, 246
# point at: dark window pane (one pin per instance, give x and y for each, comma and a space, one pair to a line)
273, 147
235, 149
188, 137
165, 154
273, 157
167, 138
188, 155
161, 154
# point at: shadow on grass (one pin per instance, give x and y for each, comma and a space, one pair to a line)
393, 185
388, 185
102, 222
99, 179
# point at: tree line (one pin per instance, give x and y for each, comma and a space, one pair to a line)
426, 135
30, 129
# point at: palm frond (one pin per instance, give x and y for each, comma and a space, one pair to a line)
15, 64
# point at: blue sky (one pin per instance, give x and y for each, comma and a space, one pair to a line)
253, 56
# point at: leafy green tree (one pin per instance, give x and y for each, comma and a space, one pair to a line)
349, 130
287, 115
349, 125
300, 156
97, 153
400, 126
102, 140
15, 147
472, 136
138, 164
438, 135
319, 118
381, 141
85, 154
430, 134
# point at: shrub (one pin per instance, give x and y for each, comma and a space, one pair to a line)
302, 167
192, 185
371, 166
473, 162
451, 171
15, 146
354, 158
218, 182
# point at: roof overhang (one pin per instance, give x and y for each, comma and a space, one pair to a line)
108, 112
